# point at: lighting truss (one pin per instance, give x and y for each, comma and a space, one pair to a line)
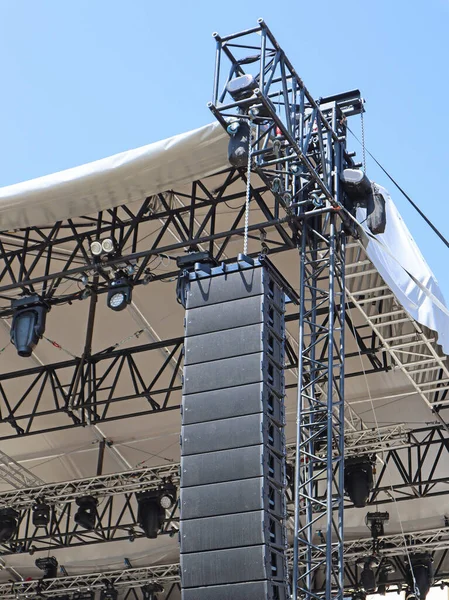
431, 540
15, 474
122, 580
87, 390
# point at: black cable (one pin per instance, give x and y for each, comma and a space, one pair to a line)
404, 193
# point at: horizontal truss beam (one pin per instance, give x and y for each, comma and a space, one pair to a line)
117, 511
88, 390
123, 579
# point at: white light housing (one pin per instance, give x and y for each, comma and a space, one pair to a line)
107, 245
96, 248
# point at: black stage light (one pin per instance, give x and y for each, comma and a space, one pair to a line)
151, 514
382, 578
49, 565
361, 192
358, 479
28, 323
242, 87
8, 523
86, 515
41, 515
109, 593
368, 576
167, 497
375, 522
149, 591
119, 293
422, 566
368, 579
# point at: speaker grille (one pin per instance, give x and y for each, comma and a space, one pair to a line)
232, 499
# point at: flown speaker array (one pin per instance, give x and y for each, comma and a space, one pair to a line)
232, 504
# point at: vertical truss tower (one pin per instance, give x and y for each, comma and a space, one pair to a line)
297, 147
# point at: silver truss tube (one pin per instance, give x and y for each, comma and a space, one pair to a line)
102, 485
120, 579
367, 441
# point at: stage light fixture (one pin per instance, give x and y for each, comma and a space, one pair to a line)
422, 566
8, 523
86, 515
149, 591
375, 522
368, 576
382, 579
41, 515
49, 565
150, 514
167, 497
109, 593
119, 293
242, 87
96, 248
361, 192
28, 323
358, 479
108, 246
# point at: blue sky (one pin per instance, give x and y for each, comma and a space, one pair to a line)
83, 79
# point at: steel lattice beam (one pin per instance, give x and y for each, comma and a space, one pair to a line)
88, 389
123, 579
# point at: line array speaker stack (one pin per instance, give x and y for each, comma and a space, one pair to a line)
232, 501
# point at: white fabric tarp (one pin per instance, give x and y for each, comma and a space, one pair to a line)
120, 179
399, 261
168, 164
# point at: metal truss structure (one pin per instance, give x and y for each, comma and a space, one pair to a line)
89, 389
408, 464
84, 586
297, 150
116, 517
320, 419
392, 546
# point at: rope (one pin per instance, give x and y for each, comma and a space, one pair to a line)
363, 140
248, 192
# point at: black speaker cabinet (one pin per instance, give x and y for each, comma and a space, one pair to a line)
232, 496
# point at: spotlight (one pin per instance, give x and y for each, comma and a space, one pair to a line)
151, 514
359, 479
28, 323
368, 576
49, 566
361, 192
86, 514
167, 498
41, 515
386, 569
149, 591
109, 592
242, 87
96, 248
108, 246
375, 522
8, 523
422, 577
119, 293
239, 142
